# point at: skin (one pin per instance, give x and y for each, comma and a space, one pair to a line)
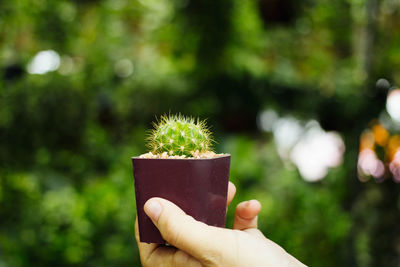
197, 244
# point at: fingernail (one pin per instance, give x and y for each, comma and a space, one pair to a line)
153, 209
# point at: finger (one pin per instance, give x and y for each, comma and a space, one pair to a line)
246, 215
145, 249
169, 256
182, 231
155, 255
231, 193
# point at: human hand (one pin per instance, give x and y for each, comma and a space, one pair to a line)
197, 244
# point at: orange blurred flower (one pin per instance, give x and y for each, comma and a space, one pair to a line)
393, 146
381, 135
367, 141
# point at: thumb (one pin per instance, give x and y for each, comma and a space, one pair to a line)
182, 231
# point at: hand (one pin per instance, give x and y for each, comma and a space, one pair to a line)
197, 244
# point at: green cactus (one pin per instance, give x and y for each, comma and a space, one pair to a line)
178, 135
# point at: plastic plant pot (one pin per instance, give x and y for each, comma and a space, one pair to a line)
198, 186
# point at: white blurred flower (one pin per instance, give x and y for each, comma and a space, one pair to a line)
369, 164
43, 62
309, 147
394, 166
316, 152
286, 132
393, 104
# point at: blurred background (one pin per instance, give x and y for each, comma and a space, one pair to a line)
302, 94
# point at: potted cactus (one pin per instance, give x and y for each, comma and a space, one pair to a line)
182, 168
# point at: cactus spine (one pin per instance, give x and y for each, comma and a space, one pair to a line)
178, 135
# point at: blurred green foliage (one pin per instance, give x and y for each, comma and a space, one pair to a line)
66, 137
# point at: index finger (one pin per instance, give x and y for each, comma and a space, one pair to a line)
231, 193
145, 249
156, 255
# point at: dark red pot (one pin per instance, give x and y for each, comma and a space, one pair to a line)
198, 186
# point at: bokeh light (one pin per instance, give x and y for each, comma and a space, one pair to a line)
379, 154
306, 145
266, 120
369, 165
394, 166
393, 105
67, 65
380, 134
43, 62
287, 131
123, 68
316, 152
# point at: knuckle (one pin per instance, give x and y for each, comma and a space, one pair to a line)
144, 261
223, 255
171, 232
181, 258
217, 255
212, 258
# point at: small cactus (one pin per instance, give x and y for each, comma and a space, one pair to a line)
179, 136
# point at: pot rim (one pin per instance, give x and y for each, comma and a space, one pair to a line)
224, 155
